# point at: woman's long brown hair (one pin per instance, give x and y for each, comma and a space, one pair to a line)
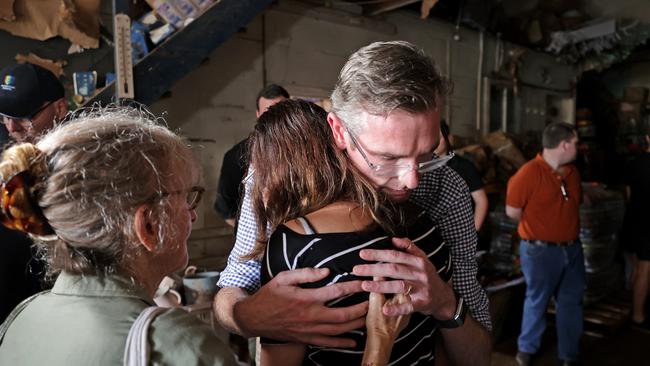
299, 169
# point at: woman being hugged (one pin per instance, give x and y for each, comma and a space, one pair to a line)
110, 198
321, 213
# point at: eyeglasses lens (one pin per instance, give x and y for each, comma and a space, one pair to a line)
194, 197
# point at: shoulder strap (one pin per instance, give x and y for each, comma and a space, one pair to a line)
14, 313
306, 225
136, 352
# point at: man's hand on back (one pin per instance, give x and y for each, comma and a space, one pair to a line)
283, 311
408, 266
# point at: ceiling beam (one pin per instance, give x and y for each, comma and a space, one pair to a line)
385, 6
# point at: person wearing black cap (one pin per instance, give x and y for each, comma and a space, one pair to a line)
32, 100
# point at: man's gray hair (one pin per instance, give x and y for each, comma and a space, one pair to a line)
385, 76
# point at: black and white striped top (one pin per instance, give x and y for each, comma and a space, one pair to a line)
340, 253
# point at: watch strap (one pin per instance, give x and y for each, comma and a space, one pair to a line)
459, 315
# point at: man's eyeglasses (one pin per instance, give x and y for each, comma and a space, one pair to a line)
565, 193
26, 123
397, 170
193, 196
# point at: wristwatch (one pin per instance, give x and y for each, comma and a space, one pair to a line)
459, 316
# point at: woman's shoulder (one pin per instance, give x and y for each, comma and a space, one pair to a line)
335, 218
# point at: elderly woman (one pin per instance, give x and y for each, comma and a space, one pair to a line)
110, 197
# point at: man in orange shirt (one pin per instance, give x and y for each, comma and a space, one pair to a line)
544, 195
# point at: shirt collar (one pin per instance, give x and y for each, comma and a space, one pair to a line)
99, 286
565, 171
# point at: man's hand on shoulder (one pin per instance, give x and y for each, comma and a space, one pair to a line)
283, 311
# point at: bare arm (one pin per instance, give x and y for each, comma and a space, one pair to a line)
470, 344
224, 307
480, 207
281, 310
291, 354
513, 212
382, 330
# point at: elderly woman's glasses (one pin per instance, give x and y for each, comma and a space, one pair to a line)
193, 196
397, 170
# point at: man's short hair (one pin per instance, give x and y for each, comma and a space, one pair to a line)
271, 91
556, 132
385, 76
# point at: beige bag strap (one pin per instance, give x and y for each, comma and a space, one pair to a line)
136, 352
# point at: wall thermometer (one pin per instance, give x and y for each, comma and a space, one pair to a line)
123, 61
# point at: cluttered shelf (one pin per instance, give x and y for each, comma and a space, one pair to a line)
154, 23
166, 39
165, 48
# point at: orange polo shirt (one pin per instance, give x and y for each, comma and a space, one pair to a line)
546, 215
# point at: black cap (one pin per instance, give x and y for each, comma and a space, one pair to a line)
25, 88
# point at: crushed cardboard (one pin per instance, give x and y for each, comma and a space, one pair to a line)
504, 147
7, 10
56, 67
426, 7
75, 20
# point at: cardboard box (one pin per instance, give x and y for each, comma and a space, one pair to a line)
166, 10
476, 155
628, 110
635, 94
503, 147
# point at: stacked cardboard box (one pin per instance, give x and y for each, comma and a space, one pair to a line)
633, 104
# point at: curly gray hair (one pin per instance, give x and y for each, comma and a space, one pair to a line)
92, 173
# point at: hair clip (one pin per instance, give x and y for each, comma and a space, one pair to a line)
18, 210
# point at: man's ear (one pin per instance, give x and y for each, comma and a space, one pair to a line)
61, 108
145, 228
338, 130
566, 144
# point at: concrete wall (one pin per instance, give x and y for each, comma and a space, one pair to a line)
303, 48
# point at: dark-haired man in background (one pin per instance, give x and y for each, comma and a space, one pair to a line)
235, 161
544, 196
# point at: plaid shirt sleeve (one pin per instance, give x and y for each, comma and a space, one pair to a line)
445, 196
243, 273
